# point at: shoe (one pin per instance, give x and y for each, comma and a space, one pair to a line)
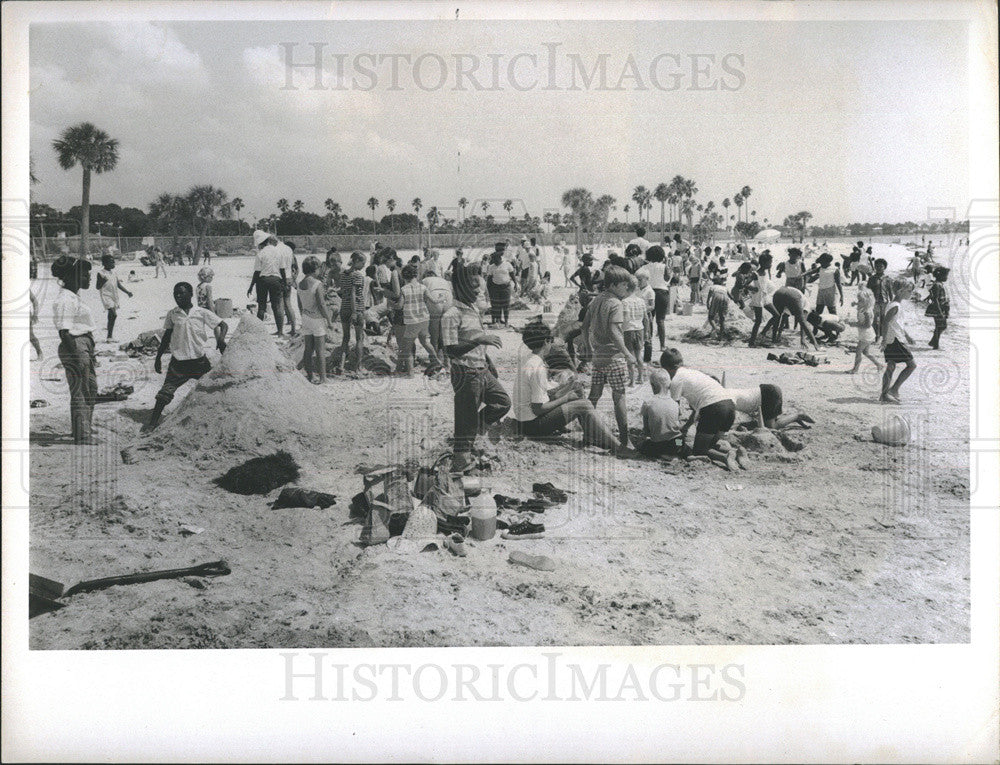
547, 490
525, 529
456, 543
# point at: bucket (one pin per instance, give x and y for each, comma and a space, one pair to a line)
483, 511
224, 308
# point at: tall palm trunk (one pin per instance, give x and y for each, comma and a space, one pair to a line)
201, 239
85, 214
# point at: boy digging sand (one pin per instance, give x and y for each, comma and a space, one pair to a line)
185, 332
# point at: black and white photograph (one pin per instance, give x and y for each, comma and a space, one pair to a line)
429, 326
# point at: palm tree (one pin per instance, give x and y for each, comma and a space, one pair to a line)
462, 204
508, 205
169, 212
94, 151
661, 193
206, 204
602, 210
283, 205
625, 210
803, 218
390, 205
639, 196
417, 204
237, 204
432, 219
738, 201
745, 193
298, 205
579, 201
486, 206
726, 203
334, 212
677, 186
372, 203
687, 210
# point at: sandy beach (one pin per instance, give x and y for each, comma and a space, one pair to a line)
842, 541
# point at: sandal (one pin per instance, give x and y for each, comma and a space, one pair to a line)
456, 543
537, 562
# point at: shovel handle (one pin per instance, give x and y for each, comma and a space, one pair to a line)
215, 568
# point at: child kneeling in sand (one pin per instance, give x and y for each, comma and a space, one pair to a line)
661, 420
764, 404
185, 332
540, 411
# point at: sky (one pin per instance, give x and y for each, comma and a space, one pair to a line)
853, 121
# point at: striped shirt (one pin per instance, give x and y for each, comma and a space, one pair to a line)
414, 307
461, 323
352, 291
634, 309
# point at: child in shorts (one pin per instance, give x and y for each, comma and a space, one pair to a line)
718, 308
938, 305
634, 309
108, 285
866, 334
889, 343
416, 322
315, 321
603, 326
352, 309
203, 292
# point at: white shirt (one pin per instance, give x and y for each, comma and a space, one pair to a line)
654, 272
531, 386
70, 313
894, 328
642, 243
190, 331
765, 288
697, 388
287, 255
109, 290
269, 261
747, 400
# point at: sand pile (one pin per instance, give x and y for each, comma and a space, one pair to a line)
569, 317
251, 403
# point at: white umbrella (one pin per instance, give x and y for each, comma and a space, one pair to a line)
767, 234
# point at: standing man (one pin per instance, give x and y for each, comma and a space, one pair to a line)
640, 240
269, 278
290, 266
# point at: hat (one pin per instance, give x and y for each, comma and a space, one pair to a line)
501, 245
259, 237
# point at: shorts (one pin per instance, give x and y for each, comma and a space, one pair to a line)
668, 448
718, 306
546, 425
897, 353
614, 374
413, 331
866, 335
314, 326
718, 417
633, 340
770, 401
827, 298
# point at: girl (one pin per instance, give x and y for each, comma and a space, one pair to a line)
655, 271
741, 284
894, 351
203, 292
416, 321
828, 282
760, 298
315, 320
938, 305
76, 347
108, 285
866, 334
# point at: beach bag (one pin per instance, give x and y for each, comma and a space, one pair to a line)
444, 493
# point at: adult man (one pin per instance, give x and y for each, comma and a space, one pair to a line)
640, 240
291, 266
269, 277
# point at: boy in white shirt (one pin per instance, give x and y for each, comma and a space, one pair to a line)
185, 332
634, 310
540, 411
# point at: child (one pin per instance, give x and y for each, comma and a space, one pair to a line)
866, 335
416, 320
439, 299
825, 330
634, 314
540, 411
793, 301
895, 352
718, 308
185, 332
108, 285
603, 328
661, 423
710, 403
160, 265
648, 295
764, 404
760, 298
938, 305
827, 277
132, 277
694, 278
203, 292
881, 289
315, 320
352, 309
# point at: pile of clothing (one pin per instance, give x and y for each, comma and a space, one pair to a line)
145, 344
117, 392
800, 357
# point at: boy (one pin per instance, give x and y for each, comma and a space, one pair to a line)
439, 299
764, 404
540, 411
634, 310
480, 400
603, 327
710, 405
648, 295
416, 321
718, 309
894, 351
661, 423
108, 285
938, 305
352, 309
880, 286
185, 332
825, 330
793, 301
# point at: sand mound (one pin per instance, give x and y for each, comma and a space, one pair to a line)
252, 403
569, 317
